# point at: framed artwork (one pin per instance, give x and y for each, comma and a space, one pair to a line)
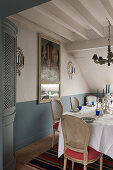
49, 69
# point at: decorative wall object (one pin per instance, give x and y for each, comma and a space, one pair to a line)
70, 69
49, 69
19, 60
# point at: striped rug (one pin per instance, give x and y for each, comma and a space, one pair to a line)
49, 161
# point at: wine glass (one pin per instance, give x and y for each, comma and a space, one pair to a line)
97, 113
80, 107
92, 103
111, 101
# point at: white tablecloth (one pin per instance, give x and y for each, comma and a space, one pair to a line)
101, 131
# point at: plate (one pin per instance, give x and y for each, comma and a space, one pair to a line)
88, 119
75, 110
90, 105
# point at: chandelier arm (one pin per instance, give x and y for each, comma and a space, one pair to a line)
109, 33
100, 60
105, 60
96, 61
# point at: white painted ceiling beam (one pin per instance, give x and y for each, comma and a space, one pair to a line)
35, 27
53, 12
89, 44
83, 12
107, 9
92, 22
40, 19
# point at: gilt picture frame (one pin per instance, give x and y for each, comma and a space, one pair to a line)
49, 54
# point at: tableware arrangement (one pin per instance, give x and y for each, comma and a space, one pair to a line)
88, 119
107, 100
75, 110
90, 105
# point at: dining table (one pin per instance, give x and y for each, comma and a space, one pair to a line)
101, 130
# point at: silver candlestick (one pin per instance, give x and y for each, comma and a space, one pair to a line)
107, 103
102, 106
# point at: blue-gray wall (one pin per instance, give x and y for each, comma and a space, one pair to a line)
34, 121
14, 6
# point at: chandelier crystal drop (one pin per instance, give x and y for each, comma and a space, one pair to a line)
100, 60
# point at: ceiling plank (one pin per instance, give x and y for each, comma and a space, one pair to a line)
83, 12
40, 19
35, 27
92, 22
107, 9
59, 16
88, 44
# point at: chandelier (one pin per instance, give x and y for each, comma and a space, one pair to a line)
100, 60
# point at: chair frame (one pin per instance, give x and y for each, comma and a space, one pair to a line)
71, 101
54, 120
89, 96
85, 161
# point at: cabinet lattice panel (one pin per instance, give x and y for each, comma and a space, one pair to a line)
9, 71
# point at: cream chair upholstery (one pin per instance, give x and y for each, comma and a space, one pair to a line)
74, 102
57, 110
90, 99
76, 134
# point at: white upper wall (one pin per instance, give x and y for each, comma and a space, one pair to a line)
97, 76
78, 84
27, 83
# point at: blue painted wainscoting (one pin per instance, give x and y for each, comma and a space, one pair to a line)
66, 101
100, 96
34, 121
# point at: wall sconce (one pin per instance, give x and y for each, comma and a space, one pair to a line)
19, 60
70, 69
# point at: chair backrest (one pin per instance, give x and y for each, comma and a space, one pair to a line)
57, 109
76, 134
74, 102
90, 99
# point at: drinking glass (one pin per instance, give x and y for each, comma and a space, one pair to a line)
92, 102
80, 107
97, 113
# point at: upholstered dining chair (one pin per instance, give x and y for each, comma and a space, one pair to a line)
90, 99
76, 135
74, 102
57, 110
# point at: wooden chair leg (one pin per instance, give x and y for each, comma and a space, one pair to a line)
65, 163
72, 165
101, 162
85, 167
53, 138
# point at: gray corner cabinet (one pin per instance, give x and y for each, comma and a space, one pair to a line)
9, 45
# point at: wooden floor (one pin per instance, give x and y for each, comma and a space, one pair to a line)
29, 152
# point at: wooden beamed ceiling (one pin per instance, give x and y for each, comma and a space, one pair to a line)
76, 21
